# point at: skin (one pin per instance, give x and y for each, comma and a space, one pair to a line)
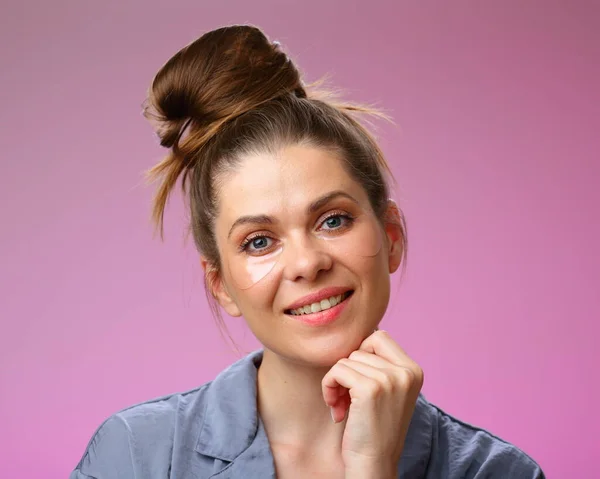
336, 400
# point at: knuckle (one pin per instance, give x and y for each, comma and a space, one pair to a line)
380, 334
373, 388
420, 375
387, 382
354, 355
406, 378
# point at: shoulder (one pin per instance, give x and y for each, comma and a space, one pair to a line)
196, 428
462, 450
143, 434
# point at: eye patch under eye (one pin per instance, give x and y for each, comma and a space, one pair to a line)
338, 235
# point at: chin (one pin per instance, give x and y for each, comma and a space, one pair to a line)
324, 350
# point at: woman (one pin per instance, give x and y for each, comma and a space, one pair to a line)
291, 215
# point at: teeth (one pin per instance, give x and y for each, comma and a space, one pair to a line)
320, 306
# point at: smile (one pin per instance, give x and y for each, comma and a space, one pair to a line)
319, 306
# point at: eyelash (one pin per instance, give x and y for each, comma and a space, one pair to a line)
341, 214
334, 214
249, 239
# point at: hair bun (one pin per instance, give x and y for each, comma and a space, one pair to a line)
221, 75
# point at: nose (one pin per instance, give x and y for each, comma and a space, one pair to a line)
305, 259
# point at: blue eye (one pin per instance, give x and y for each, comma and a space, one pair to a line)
261, 242
257, 244
335, 222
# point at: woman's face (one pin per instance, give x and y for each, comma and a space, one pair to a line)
304, 259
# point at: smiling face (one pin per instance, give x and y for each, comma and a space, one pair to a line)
303, 257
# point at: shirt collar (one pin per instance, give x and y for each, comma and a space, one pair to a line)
232, 428
230, 419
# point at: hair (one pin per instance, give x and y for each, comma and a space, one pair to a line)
230, 93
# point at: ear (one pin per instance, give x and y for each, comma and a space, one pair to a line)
395, 233
216, 287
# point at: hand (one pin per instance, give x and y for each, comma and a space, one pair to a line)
378, 386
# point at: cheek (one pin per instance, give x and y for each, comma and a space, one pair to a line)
375, 280
256, 306
256, 298
368, 269
378, 290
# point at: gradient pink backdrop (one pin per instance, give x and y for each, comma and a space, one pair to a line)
496, 155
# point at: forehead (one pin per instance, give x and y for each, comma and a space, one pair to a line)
273, 183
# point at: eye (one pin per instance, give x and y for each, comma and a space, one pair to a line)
336, 221
257, 244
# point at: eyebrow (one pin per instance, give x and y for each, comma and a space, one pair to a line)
323, 200
257, 219
314, 206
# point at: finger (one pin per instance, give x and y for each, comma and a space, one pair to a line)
396, 374
339, 375
346, 377
338, 404
331, 394
378, 375
340, 409
381, 344
371, 359
367, 382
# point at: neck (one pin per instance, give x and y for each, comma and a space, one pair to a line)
291, 404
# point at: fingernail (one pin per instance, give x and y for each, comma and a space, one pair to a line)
332, 418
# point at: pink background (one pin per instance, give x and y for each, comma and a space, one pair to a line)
496, 155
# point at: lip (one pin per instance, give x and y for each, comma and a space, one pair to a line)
323, 317
318, 296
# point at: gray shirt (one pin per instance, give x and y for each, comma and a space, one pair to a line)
215, 431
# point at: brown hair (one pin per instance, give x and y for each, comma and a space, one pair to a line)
233, 92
